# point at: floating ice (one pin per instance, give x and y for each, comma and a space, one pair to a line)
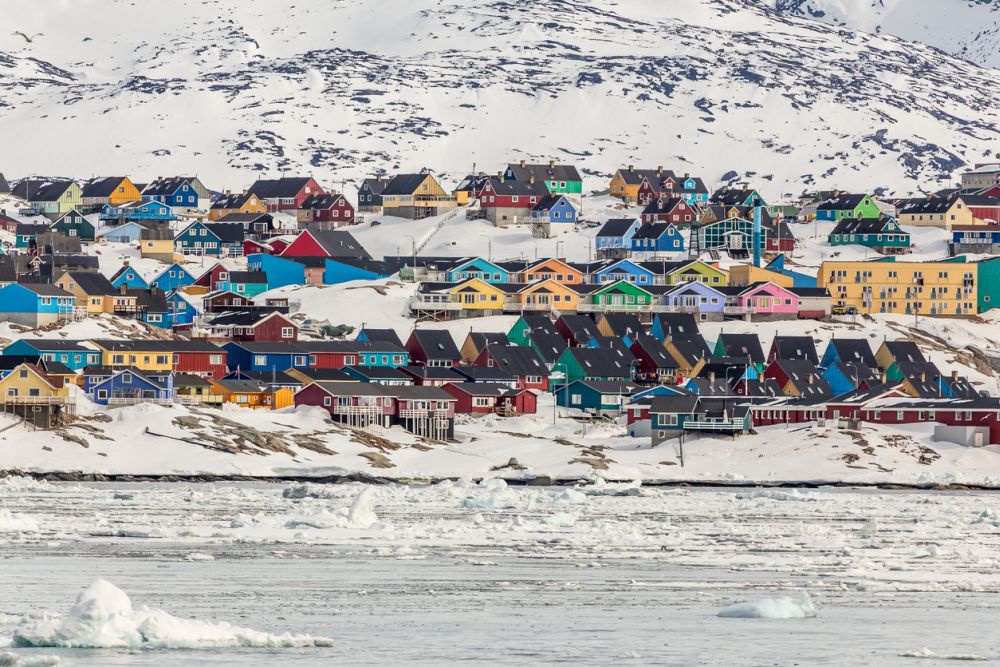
8, 659
778, 494
103, 617
931, 655
362, 512
571, 497
16, 523
305, 490
800, 607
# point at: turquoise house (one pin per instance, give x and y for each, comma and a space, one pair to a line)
479, 268
280, 271
245, 283
70, 353
35, 304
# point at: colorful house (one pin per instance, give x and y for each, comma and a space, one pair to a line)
28, 384
72, 223
415, 196
129, 277
54, 198
325, 243
614, 239
548, 295
741, 196
286, 193
171, 278
622, 270
131, 386
180, 193
478, 268
701, 300
552, 269
604, 398
280, 271
618, 297
507, 201
699, 271
673, 210
559, 179
843, 206
70, 353
553, 209
253, 394
625, 183
880, 234
36, 304
136, 211
370, 194
587, 363
764, 299
245, 283
108, 191
326, 210
206, 238
658, 237
243, 202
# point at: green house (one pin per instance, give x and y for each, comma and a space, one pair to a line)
72, 223
988, 284
559, 179
843, 206
881, 234
621, 296
520, 333
589, 363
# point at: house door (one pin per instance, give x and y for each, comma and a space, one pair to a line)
977, 439
617, 300
736, 241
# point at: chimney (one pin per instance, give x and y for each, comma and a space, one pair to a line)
725, 188
711, 376
687, 175
659, 169
659, 204
811, 378
522, 163
378, 178
500, 176
923, 377
954, 376
227, 193
531, 179
552, 163
123, 288
481, 174
631, 168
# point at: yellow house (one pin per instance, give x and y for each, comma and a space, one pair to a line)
943, 213
143, 355
947, 288
112, 190
97, 292
626, 182
699, 271
688, 353
475, 294
245, 202
28, 384
157, 242
742, 275
548, 295
416, 196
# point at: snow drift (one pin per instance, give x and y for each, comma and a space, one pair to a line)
103, 617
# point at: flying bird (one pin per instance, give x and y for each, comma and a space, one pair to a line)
28, 39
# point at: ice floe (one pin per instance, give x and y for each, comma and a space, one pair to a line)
928, 654
103, 617
783, 607
16, 523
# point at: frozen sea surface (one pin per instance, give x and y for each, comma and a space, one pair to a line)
462, 573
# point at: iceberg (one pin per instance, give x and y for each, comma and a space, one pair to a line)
103, 617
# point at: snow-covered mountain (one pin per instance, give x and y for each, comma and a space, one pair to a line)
969, 29
343, 88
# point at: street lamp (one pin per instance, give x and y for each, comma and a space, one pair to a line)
413, 246
489, 241
555, 400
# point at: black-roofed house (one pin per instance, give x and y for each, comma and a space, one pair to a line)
235, 203
625, 326
793, 347
378, 335
510, 202
522, 362
286, 193
843, 205
253, 325
183, 194
475, 341
549, 346
53, 198
614, 238
674, 416
36, 304
433, 347
587, 363
742, 346
415, 197
370, 194
882, 234
326, 211
655, 364
559, 179
576, 329
73, 225
848, 350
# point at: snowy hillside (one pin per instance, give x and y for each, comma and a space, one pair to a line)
969, 29
724, 88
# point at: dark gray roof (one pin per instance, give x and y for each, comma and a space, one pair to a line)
545, 172
517, 360
102, 187
678, 325
742, 345
165, 186
616, 227
51, 191
285, 187
93, 283
321, 202
384, 335
600, 363
403, 184
237, 200
795, 347
548, 345
845, 202
226, 231
248, 277
339, 243
436, 344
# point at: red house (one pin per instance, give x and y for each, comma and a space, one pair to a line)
357, 404
220, 302
433, 347
286, 194
520, 361
253, 326
210, 278
518, 402
325, 243
185, 356
256, 247
498, 192
475, 398
668, 209
332, 209
278, 246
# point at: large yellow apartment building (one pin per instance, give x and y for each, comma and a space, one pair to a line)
946, 288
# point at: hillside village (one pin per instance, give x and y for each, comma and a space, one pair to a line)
655, 306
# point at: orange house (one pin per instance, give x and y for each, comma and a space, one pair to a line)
552, 269
252, 394
547, 295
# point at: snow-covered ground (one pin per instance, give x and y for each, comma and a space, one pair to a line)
460, 572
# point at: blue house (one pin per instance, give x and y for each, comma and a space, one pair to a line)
70, 353
697, 298
339, 270
136, 211
245, 283
128, 386
174, 192
172, 277
35, 304
26, 233
129, 277
265, 356
598, 397
623, 269
129, 232
658, 237
280, 271
692, 190
182, 308
553, 209
844, 377
848, 351
477, 267
798, 279
614, 239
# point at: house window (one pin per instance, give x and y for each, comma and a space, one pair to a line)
287, 332
127, 378
299, 360
576, 399
327, 401
102, 394
259, 360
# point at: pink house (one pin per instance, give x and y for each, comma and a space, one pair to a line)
767, 299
